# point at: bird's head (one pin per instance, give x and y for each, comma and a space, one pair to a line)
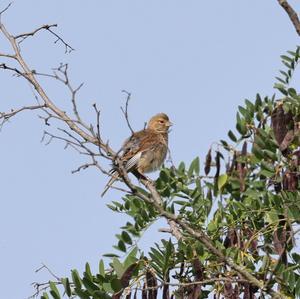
160, 123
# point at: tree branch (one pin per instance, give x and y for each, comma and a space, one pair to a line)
125, 110
200, 236
5, 116
62, 115
291, 13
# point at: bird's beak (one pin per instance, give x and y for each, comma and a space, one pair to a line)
169, 124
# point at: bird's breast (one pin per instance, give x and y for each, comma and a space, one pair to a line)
153, 159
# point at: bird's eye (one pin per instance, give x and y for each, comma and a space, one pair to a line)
161, 121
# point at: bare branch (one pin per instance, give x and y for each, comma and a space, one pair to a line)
68, 48
125, 111
107, 154
82, 167
5, 9
15, 70
291, 13
23, 36
62, 115
7, 56
48, 269
7, 115
40, 287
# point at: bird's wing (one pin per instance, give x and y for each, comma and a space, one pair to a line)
133, 161
133, 143
134, 147
140, 146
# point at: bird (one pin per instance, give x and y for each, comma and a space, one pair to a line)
144, 151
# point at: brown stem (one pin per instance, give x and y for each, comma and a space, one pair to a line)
291, 13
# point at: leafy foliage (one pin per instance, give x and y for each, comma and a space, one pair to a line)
249, 208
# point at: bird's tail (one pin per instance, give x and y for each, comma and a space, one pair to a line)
113, 178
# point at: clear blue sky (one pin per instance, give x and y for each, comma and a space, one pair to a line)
195, 60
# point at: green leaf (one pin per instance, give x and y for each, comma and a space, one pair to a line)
281, 80
89, 285
107, 287
267, 166
258, 153
88, 271
82, 294
189, 252
110, 255
270, 155
101, 295
292, 92
222, 179
297, 287
296, 257
244, 112
131, 257
294, 214
232, 136
250, 106
76, 279
212, 227
45, 296
281, 88
118, 267
286, 58
126, 238
241, 127
164, 175
272, 216
267, 173
121, 246
66, 284
181, 168
194, 167
258, 102
54, 291
101, 268
116, 285
137, 202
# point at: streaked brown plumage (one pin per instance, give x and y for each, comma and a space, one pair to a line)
146, 150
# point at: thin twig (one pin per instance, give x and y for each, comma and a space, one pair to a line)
5, 116
5, 9
82, 167
125, 111
7, 55
48, 269
23, 36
